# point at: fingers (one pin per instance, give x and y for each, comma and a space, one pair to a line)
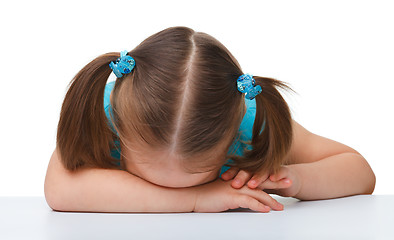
241, 178
257, 180
266, 199
261, 181
246, 201
263, 198
268, 184
230, 173
283, 172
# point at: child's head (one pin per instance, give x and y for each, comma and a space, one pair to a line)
178, 110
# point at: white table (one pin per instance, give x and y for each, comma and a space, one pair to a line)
356, 217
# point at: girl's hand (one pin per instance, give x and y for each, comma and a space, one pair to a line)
219, 196
285, 183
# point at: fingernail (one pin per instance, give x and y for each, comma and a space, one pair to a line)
236, 181
252, 182
287, 181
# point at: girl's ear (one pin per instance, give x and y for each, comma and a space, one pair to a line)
83, 135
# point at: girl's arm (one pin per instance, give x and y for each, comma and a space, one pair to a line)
340, 175
107, 190
319, 168
328, 169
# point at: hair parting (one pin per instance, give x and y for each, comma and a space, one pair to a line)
181, 96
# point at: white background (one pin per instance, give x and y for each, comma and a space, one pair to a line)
338, 56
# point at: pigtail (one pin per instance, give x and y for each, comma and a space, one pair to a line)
272, 130
84, 137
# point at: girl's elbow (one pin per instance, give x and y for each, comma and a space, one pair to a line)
372, 182
52, 196
370, 179
52, 202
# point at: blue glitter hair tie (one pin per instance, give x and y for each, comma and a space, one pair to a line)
123, 65
246, 84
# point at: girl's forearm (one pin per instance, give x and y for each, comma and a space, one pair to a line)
340, 175
105, 190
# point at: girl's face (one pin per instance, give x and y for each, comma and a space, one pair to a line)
165, 169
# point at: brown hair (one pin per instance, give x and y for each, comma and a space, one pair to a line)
181, 95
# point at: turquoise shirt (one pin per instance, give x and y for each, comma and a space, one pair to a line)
237, 147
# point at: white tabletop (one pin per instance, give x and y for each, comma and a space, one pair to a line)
356, 217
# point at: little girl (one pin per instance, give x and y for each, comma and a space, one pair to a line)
181, 121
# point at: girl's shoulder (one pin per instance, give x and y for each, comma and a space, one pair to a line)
107, 103
246, 127
244, 135
107, 93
